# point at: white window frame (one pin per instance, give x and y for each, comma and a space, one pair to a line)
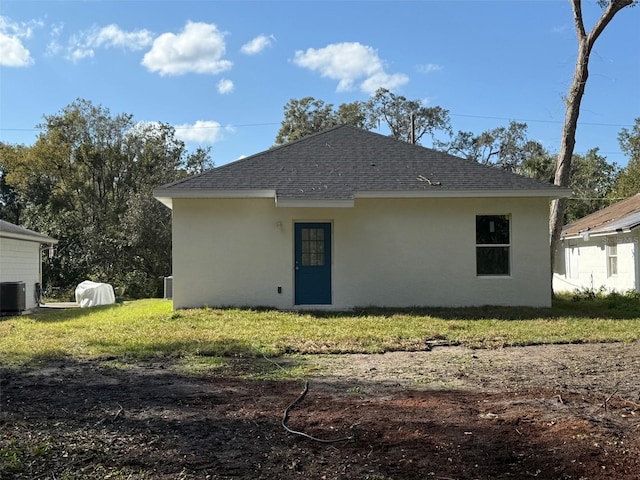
497, 245
612, 258
572, 252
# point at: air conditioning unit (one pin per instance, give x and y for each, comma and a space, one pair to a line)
12, 297
168, 287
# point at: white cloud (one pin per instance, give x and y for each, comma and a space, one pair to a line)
13, 53
225, 86
349, 63
85, 43
257, 45
429, 68
113, 36
383, 80
54, 47
203, 131
199, 48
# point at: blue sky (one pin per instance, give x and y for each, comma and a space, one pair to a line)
222, 71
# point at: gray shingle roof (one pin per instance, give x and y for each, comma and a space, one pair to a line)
340, 162
10, 230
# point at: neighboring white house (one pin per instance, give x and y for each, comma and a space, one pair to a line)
21, 259
601, 250
349, 218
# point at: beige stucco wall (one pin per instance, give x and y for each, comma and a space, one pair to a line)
19, 262
583, 264
392, 252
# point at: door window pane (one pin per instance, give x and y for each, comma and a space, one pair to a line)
312, 247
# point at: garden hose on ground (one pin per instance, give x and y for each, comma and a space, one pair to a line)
285, 415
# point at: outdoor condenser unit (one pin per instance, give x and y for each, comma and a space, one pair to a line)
12, 297
168, 287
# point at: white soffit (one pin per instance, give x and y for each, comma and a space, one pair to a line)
515, 193
166, 196
301, 203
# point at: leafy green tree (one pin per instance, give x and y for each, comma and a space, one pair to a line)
592, 180
88, 181
307, 116
304, 117
628, 182
354, 114
10, 206
573, 100
407, 120
506, 147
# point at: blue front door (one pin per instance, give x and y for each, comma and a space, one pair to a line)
313, 263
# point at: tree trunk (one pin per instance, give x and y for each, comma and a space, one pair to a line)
573, 100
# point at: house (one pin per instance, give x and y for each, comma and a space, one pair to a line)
21, 263
349, 218
600, 251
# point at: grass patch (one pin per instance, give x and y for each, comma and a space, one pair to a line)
147, 329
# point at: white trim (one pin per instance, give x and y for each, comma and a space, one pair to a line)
520, 193
496, 245
293, 203
592, 234
29, 238
609, 257
167, 195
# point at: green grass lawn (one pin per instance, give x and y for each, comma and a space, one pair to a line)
145, 329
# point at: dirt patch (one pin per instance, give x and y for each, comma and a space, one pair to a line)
552, 412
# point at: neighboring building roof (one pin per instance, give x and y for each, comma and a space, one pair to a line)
345, 162
9, 230
619, 217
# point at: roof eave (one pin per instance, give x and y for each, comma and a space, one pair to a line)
314, 203
448, 193
166, 195
42, 239
586, 234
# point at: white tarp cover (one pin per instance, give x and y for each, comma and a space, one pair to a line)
90, 294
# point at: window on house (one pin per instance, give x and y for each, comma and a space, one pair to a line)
312, 247
612, 259
493, 245
572, 252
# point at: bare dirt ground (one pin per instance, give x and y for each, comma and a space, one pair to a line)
548, 412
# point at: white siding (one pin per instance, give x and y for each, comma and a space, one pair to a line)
591, 262
404, 252
19, 262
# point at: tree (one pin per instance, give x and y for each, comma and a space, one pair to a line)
304, 117
408, 120
628, 182
88, 181
354, 114
307, 116
592, 179
10, 206
573, 101
505, 147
